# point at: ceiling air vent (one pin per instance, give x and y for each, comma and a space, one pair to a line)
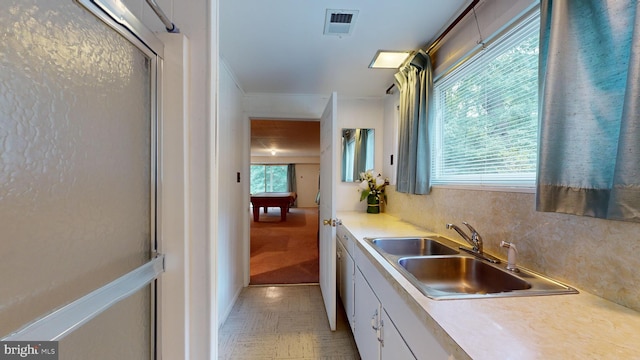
339, 22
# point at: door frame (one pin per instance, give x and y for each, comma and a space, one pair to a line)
247, 166
121, 20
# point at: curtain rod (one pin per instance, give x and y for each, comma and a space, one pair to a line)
444, 33
452, 25
165, 20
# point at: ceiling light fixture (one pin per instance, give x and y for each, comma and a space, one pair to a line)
273, 152
389, 59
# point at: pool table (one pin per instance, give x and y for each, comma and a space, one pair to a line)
283, 200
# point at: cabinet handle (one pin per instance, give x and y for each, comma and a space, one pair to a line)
380, 332
374, 321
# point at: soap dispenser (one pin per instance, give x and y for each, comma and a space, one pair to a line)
511, 255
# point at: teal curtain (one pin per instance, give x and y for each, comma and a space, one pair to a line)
589, 157
415, 82
360, 152
291, 181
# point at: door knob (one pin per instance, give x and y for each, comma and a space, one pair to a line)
327, 222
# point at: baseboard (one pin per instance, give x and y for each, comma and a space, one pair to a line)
300, 284
223, 317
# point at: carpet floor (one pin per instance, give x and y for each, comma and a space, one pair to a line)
285, 252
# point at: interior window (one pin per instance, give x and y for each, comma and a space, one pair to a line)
268, 178
486, 114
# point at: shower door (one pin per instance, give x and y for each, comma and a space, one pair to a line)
77, 172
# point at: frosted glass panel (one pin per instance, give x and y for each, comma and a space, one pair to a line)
74, 161
105, 337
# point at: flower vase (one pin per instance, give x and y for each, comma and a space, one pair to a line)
373, 204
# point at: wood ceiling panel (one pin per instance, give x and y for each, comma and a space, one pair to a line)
286, 137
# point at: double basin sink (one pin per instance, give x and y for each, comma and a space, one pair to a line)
434, 265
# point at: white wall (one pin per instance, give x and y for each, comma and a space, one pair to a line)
492, 16
174, 199
285, 159
390, 138
359, 113
284, 106
307, 176
233, 215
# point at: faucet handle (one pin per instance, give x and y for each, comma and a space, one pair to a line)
474, 233
476, 239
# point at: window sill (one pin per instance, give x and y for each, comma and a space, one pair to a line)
493, 188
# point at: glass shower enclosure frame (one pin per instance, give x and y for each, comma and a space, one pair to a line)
86, 297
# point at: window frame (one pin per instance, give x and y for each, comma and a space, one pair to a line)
523, 182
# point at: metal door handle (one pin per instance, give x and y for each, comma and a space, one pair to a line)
332, 222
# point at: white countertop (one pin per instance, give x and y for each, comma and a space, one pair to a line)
570, 326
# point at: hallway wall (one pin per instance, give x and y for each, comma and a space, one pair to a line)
233, 197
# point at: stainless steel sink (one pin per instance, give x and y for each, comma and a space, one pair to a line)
434, 266
410, 246
460, 274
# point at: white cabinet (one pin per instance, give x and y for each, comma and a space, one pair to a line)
376, 336
366, 320
392, 345
345, 273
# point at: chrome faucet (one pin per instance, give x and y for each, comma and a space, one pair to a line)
474, 240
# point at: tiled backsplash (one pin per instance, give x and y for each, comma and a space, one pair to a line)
598, 256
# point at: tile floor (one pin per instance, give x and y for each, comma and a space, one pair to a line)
284, 322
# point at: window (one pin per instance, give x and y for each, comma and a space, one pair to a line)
269, 178
486, 114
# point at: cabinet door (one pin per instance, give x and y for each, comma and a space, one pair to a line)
341, 253
339, 272
392, 343
349, 288
367, 314
345, 277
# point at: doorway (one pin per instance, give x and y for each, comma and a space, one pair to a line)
285, 158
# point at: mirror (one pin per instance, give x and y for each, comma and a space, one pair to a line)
357, 153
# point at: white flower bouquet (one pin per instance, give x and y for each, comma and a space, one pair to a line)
372, 184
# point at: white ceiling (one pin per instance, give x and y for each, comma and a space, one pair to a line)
278, 46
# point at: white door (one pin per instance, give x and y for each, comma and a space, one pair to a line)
328, 135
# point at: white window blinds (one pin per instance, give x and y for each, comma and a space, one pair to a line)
486, 114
